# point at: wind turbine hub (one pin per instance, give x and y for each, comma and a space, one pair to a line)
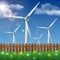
48, 28
27, 19
13, 32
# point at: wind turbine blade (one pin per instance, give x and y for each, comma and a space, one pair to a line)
18, 17
52, 23
28, 29
40, 36
32, 10
17, 28
42, 27
9, 32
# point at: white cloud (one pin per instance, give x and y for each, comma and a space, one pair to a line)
7, 9
17, 6
48, 9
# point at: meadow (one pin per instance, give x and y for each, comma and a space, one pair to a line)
54, 55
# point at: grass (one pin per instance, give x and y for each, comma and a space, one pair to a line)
54, 55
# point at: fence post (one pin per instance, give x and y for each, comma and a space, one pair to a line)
22, 47
27, 47
50, 47
57, 46
54, 47
10, 46
0, 47
17, 47
5, 46
13, 47
45, 47
39, 47
32, 47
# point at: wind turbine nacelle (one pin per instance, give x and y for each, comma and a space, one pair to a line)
27, 18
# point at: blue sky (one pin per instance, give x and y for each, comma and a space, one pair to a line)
40, 17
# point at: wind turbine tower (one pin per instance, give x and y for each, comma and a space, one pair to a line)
48, 28
38, 39
27, 31
13, 33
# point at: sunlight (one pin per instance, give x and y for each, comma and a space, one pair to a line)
3, 6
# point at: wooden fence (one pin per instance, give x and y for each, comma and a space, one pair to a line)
29, 47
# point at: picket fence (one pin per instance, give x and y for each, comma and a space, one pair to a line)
29, 47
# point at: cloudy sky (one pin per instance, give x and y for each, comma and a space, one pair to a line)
44, 15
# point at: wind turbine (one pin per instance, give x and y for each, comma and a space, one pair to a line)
26, 22
48, 28
13, 33
38, 38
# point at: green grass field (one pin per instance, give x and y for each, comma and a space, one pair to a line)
55, 55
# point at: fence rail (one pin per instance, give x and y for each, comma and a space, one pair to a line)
29, 47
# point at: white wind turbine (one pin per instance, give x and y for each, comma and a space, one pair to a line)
38, 38
26, 22
13, 33
48, 28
